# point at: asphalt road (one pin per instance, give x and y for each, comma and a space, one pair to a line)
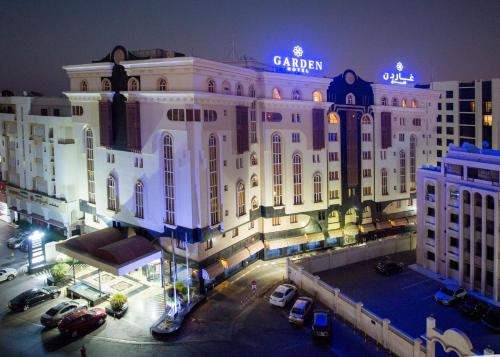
231, 322
406, 299
10, 258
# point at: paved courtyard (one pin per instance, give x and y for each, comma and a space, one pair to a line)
406, 299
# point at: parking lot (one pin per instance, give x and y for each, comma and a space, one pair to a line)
406, 299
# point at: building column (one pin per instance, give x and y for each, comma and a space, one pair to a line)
472, 214
461, 249
483, 244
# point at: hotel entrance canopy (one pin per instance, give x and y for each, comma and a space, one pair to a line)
110, 250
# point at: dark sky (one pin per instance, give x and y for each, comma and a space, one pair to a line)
435, 39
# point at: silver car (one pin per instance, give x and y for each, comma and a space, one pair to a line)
300, 310
7, 274
55, 314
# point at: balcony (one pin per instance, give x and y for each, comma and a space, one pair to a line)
453, 202
430, 197
453, 226
430, 220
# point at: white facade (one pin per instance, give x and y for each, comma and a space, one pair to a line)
458, 224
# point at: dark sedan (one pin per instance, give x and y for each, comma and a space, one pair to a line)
29, 298
321, 323
389, 267
473, 307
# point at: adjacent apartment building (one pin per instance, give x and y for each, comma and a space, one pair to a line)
234, 162
458, 223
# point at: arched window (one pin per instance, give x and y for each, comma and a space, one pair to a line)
402, 171
384, 101
254, 180
240, 198
253, 159
333, 118
350, 99
84, 86
296, 94
139, 199
366, 120
317, 187
404, 103
384, 182
168, 173
276, 93
106, 85
133, 84
253, 123
255, 202
214, 180
89, 146
239, 89
277, 170
413, 103
395, 102
162, 85
211, 86
226, 87
297, 179
251, 91
413, 162
111, 184
317, 96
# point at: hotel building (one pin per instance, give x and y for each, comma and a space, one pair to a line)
458, 223
232, 162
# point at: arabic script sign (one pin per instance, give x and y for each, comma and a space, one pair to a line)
296, 63
397, 77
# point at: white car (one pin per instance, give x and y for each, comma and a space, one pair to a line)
7, 274
56, 313
282, 295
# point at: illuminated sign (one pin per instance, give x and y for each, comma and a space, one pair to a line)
296, 63
397, 77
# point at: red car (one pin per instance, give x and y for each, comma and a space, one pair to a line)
82, 321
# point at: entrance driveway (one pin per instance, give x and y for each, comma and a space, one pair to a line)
406, 299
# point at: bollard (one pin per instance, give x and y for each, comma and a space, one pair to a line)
83, 352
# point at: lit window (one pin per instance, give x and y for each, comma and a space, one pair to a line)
133, 84
240, 198
168, 171
404, 103
277, 170
106, 85
276, 93
253, 123
213, 180
402, 171
317, 187
211, 86
333, 118
89, 146
487, 120
162, 84
350, 99
413, 162
297, 179
253, 159
413, 103
384, 182
255, 203
111, 193
317, 96
254, 180
84, 86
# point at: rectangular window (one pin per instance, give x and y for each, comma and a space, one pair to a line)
210, 244
430, 256
235, 232
295, 118
439, 118
57, 112
44, 111
295, 137
383, 154
453, 265
367, 173
449, 94
449, 130
430, 234
333, 156
293, 218
449, 118
401, 137
453, 242
439, 106
449, 106
367, 155
401, 121
367, 191
332, 137
431, 212
334, 194
439, 130
181, 244
252, 225
489, 253
333, 175
366, 136
276, 221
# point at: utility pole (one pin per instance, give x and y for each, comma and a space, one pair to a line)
188, 276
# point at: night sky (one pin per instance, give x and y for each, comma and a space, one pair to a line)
435, 39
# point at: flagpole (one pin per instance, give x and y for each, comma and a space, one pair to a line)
188, 276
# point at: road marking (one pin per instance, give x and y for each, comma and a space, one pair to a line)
415, 284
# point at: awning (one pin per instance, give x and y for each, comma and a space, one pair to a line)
212, 271
383, 225
110, 250
365, 228
255, 247
399, 222
237, 258
351, 230
336, 233
287, 242
412, 219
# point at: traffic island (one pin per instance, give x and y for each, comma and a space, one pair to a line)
170, 322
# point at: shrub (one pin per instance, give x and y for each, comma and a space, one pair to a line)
59, 271
117, 301
181, 288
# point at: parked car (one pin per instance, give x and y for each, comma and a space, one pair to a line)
282, 295
56, 313
449, 295
24, 247
7, 274
15, 242
388, 267
32, 297
473, 307
492, 318
81, 321
322, 323
300, 310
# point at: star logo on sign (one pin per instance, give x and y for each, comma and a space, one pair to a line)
297, 51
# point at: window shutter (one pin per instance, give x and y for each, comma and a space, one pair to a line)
318, 129
134, 126
386, 133
242, 142
105, 123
